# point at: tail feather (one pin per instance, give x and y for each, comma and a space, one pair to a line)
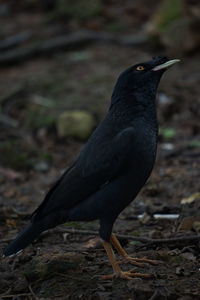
33, 230
24, 238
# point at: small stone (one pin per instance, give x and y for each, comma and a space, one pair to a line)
180, 271
41, 166
164, 99
77, 124
188, 255
167, 146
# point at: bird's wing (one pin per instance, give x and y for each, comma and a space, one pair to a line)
108, 160
94, 167
53, 189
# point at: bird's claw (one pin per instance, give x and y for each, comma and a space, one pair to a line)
140, 262
128, 275
132, 262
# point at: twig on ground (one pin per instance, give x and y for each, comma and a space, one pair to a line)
145, 240
189, 238
155, 295
6, 293
16, 295
32, 293
15, 40
67, 42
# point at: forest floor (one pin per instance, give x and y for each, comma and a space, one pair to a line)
67, 262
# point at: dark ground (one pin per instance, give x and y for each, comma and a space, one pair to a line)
66, 265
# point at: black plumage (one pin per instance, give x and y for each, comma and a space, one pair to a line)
114, 164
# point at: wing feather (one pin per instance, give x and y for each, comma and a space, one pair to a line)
108, 158
94, 167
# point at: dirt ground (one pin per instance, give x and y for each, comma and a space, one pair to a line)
67, 264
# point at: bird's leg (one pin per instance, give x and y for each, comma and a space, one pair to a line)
117, 271
126, 258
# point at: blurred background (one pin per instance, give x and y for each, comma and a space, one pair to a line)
59, 60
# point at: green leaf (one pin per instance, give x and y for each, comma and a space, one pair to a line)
167, 132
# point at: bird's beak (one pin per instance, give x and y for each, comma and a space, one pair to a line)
166, 65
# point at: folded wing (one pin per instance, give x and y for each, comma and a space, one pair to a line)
97, 164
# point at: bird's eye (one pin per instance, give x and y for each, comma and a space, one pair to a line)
140, 68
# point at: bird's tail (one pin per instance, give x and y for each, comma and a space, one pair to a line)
24, 238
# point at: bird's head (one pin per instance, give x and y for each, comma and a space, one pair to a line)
142, 78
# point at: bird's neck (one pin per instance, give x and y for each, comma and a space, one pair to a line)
133, 106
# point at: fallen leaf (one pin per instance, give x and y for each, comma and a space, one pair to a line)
93, 243
11, 223
192, 198
188, 222
196, 226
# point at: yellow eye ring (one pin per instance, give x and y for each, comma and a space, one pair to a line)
140, 68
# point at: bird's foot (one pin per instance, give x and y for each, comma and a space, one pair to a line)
140, 262
128, 275
132, 262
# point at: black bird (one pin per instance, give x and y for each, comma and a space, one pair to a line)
112, 167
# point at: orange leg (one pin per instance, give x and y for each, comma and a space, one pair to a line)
117, 271
126, 258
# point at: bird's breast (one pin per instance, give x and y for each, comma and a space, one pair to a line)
144, 150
